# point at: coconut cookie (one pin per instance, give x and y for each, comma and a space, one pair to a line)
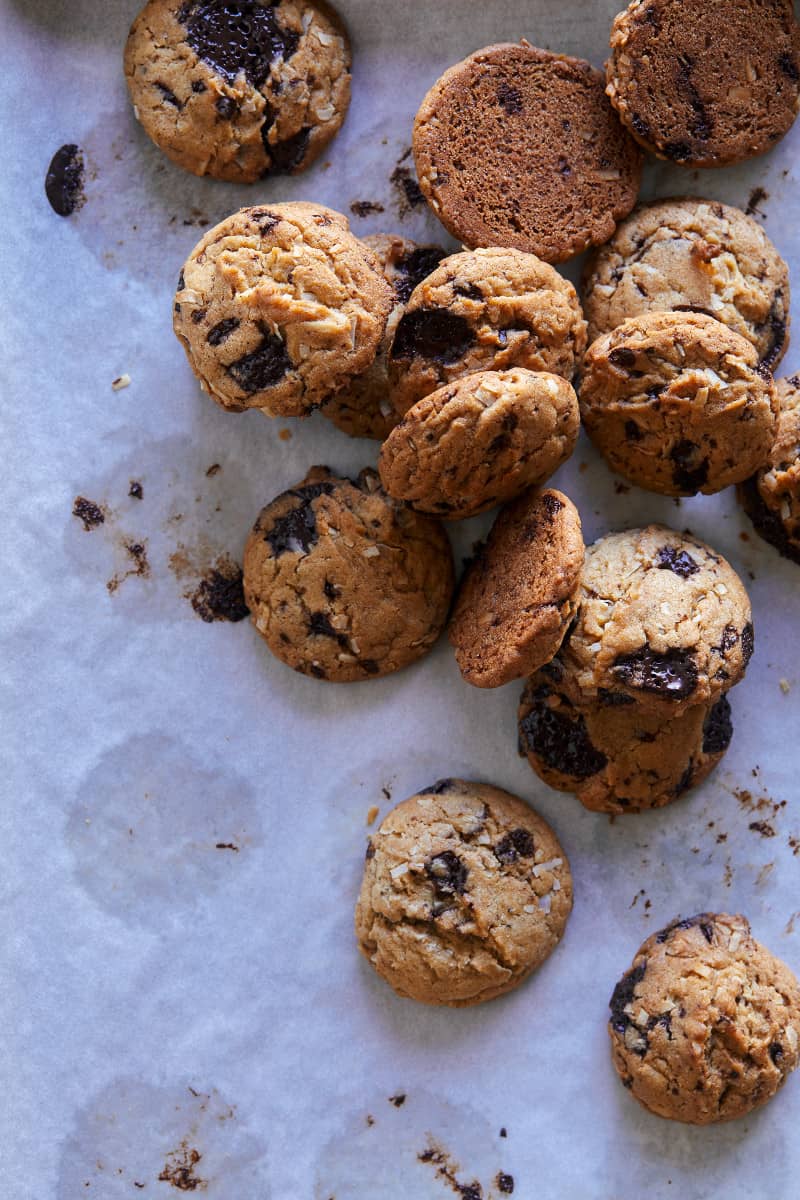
705, 83
239, 91
520, 592
516, 146
364, 408
663, 620
705, 1025
485, 310
466, 891
279, 307
692, 254
677, 403
615, 756
771, 497
480, 441
342, 582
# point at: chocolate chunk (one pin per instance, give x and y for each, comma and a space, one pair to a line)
221, 331
776, 1052
686, 780
623, 995
370, 851
677, 151
688, 474
632, 431
718, 728
447, 873
181, 282
227, 107
551, 504
168, 95
470, 291
432, 333
672, 675
316, 670
611, 699
63, 183
287, 155
331, 590
136, 491
560, 741
198, 315
622, 357
296, 531
265, 219
748, 643
729, 639
264, 366
505, 1183
369, 665
439, 788
87, 511
319, 626
415, 267
220, 595
234, 37
517, 844
509, 99
408, 188
677, 561
641, 127
703, 921
789, 66
198, 86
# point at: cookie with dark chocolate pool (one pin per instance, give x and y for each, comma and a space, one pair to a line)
342, 582
239, 91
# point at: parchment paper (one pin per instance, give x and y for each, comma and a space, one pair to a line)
185, 818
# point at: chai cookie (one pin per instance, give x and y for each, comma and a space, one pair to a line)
516, 146
520, 592
705, 83
771, 497
663, 620
342, 582
239, 91
364, 408
485, 310
677, 403
466, 890
480, 441
705, 1024
615, 756
278, 307
692, 254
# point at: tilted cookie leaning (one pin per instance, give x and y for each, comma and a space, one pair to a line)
771, 497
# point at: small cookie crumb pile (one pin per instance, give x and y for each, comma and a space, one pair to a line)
771, 497
706, 1022
466, 890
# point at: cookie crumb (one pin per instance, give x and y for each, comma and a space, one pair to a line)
785, 686
285, 435
122, 381
136, 491
372, 814
214, 469
763, 828
398, 1100
757, 196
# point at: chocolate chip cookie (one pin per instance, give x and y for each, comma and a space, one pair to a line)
663, 620
364, 408
516, 146
344, 583
278, 307
520, 592
771, 497
239, 91
485, 310
466, 891
480, 441
705, 83
705, 1024
678, 403
692, 254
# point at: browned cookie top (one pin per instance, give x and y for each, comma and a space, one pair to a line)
516, 146
706, 83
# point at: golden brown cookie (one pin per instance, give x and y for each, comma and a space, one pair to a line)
516, 146
480, 441
485, 310
364, 408
342, 582
278, 307
239, 91
466, 891
771, 497
705, 1025
678, 403
705, 83
692, 254
520, 592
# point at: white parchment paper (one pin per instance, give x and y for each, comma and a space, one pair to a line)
185, 818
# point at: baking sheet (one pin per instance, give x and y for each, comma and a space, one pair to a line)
185, 818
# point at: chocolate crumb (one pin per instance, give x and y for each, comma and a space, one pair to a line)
505, 1183
87, 511
219, 596
408, 191
63, 183
226, 846
363, 208
399, 1100
757, 196
214, 469
136, 491
763, 827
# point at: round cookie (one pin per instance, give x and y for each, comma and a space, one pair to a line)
662, 620
771, 497
677, 403
239, 91
466, 890
705, 1024
520, 592
613, 755
278, 307
692, 254
364, 408
516, 146
705, 83
480, 441
342, 582
485, 310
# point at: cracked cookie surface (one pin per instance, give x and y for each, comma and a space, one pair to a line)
280, 306
771, 497
485, 310
705, 83
692, 253
678, 403
239, 91
466, 890
480, 441
342, 582
705, 1024
519, 594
